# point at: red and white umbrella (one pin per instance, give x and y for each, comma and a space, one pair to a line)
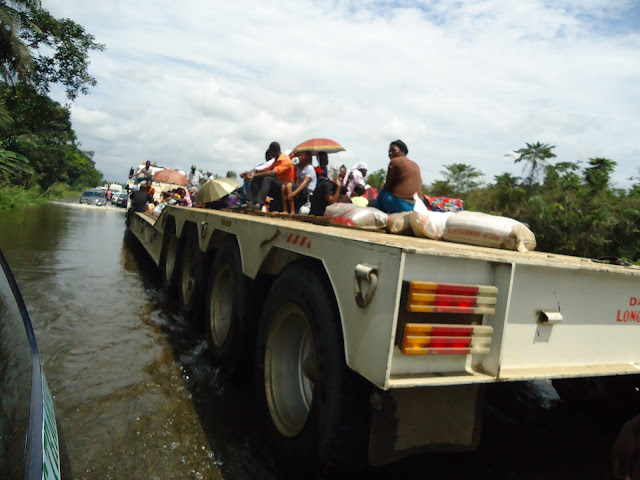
315, 145
169, 175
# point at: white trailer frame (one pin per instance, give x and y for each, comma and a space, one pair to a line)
555, 316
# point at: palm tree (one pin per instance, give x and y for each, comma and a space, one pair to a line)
535, 156
462, 177
16, 60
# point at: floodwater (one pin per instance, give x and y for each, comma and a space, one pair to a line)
137, 398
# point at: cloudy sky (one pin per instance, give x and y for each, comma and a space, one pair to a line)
213, 82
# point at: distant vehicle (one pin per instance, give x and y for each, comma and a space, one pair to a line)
93, 197
29, 435
120, 199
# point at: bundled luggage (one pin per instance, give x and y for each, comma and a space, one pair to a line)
477, 228
354, 216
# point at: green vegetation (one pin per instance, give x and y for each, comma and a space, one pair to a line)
376, 179
16, 197
40, 157
572, 209
37, 49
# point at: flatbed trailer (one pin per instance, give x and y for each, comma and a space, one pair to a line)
367, 345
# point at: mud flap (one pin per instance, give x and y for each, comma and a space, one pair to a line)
430, 419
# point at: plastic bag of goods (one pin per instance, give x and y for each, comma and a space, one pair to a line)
354, 216
400, 223
429, 224
477, 228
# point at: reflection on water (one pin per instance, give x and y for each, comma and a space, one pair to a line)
133, 389
137, 398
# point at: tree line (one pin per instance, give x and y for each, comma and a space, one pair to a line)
570, 206
38, 146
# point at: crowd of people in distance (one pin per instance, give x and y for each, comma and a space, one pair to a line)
142, 198
142, 194
301, 188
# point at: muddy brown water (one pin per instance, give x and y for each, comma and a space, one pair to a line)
137, 397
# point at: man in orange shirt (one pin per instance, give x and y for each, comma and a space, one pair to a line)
281, 171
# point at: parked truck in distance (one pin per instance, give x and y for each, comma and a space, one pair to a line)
368, 347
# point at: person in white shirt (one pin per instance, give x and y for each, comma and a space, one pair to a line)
194, 177
146, 170
355, 176
251, 183
296, 195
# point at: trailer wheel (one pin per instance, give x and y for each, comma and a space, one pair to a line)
228, 328
191, 277
170, 266
313, 407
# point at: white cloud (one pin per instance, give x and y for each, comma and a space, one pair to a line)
213, 83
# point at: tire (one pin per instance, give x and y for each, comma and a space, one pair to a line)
314, 409
230, 333
191, 278
170, 265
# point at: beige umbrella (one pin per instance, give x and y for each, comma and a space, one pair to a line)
215, 189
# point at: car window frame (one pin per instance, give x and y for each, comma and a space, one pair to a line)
34, 455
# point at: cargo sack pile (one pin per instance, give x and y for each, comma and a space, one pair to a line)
425, 223
400, 223
354, 216
477, 228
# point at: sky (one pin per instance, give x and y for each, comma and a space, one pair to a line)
212, 83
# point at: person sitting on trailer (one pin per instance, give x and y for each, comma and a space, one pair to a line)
185, 198
281, 171
251, 183
327, 192
403, 181
355, 177
323, 162
357, 196
146, 171
296, 195
140, 199
167, 198
194, 177
148, 187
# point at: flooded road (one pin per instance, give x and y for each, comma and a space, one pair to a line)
136, 396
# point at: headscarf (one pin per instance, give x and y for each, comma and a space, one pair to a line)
358, 166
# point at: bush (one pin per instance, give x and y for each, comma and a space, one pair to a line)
61, 190
14, 197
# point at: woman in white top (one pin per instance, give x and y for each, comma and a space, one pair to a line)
355, 176
306, 181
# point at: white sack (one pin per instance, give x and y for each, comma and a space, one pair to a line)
429, 224
352, 215
477, 228
400, 223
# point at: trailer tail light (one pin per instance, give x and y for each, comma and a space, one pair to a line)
424, 339
431, 297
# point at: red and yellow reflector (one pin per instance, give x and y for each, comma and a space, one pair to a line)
431, 297
424, 339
